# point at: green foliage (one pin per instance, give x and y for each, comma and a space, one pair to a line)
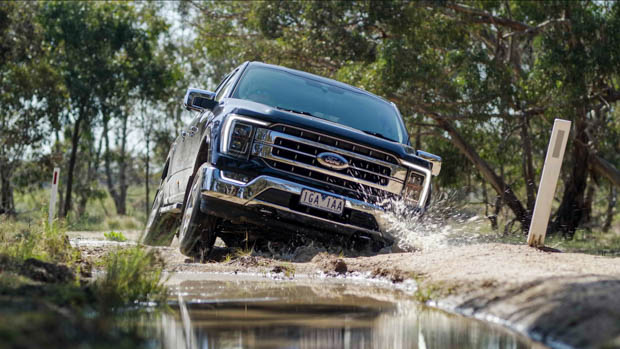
115, 236
21, 241
71, 314
131, 275
498, 83
497, 72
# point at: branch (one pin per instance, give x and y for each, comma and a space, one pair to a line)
485, 17
605, 169
537, 29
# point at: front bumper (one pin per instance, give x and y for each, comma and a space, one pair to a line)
268, 200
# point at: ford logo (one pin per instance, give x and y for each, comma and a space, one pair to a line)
333, 161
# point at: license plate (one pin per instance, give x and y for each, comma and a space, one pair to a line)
321, 201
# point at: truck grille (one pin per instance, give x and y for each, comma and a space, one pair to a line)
343, 183
334, 142
306, 154
293, 150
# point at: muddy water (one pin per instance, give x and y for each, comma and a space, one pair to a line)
244, 311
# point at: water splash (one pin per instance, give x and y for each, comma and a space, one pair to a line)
444, 223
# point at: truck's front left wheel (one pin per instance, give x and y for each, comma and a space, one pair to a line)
198, 230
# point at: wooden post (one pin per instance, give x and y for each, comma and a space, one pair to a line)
53, 195
548, 182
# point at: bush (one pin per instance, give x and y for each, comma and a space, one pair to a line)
115, 236
131, 275
22, 241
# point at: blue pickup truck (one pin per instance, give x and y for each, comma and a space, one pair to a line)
278, 151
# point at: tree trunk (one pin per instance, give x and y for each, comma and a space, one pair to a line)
528, 166
605, 169
587, 212
121, 207
58, 161
107, 164
611, 204
91, 174
147, 174
487, 173
75, 139
572, 208
146, 127
7, 204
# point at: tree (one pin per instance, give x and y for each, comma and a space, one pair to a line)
101, 51
487, 77
30, 93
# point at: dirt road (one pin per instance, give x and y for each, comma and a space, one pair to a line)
556, 298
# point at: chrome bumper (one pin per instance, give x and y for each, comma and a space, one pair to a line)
216, 185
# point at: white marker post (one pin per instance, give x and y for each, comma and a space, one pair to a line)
53, 194
548, 183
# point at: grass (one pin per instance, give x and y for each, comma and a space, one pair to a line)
100, 214
590, 242
132, 275
20, 241
115, 236
70, 311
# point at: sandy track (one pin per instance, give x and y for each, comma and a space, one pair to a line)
557, 298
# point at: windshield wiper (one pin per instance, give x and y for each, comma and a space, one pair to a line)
294, 111
377, 134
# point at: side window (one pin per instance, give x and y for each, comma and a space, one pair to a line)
225, 89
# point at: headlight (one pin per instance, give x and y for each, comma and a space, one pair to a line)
413, 188
417, 185
237, 132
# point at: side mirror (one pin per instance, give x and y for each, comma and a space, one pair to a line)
433, 159
199, 100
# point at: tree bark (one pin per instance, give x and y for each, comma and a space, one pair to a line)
588, 202
147, 127
487, 173
147, 175
572, 208
7, 204
75, 139
605, 169
107, 161
611, 204
528, 166
118, 194
121, 207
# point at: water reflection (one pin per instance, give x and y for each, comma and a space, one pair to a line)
279, 314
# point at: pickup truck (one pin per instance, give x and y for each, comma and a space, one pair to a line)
279, 151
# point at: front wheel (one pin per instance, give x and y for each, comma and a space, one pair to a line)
198, 230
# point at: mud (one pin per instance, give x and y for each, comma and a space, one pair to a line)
559, 299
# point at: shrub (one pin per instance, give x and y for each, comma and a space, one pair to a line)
131, 275
115, 236
21, 241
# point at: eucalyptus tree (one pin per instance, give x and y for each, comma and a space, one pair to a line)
100, 50
30, 92
488, 77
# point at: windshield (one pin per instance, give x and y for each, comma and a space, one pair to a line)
291, 92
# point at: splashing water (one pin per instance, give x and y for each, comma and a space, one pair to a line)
443, 224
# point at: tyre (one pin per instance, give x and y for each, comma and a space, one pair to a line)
198, 230
160, 228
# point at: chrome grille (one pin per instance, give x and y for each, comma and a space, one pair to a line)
335, 142
369, 171
306, 154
